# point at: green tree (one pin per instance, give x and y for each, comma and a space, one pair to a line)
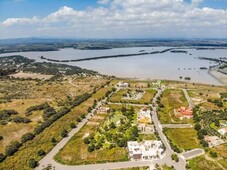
32, 163
64, 133
41, 152
197, 126
12, 148
27, 137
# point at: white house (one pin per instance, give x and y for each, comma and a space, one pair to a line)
223, 131
134, 150
146, 150
122, 84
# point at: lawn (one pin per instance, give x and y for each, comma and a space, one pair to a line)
172, 99
184, 139
201, 163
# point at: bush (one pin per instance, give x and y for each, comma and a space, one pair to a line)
53, 140
2, 157
197, 126
79, 119
12, 148
27, 137
91, 148
72, 125
19, 119
1, 138
32, 163
41, 152
175, 157
64, 133
213, 154
86, 140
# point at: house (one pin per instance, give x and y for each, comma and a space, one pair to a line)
213, 140
183, 112
151, 149
122, 84
134, 150
146, 129
223, 131
103, 110
144, 116
146, 150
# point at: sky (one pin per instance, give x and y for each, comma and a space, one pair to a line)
113, 18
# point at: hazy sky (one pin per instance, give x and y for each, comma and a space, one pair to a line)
113, 18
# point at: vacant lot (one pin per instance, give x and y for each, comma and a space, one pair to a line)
43, 140
19, 95
184, 139
201, 94
31, 75
201, 163
222, 154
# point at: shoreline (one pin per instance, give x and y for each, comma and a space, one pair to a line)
222, 78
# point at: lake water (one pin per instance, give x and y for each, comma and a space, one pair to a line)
154, 66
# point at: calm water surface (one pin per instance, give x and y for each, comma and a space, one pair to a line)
155, 66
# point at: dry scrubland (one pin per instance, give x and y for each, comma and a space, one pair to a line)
23, 94
20, 95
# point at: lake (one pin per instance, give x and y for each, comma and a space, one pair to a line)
153, 66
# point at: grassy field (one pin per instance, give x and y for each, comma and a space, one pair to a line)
43, 140
221, 151
201, 163
185, 139
200, 95
146, 98
172, 99
75, 151
26, 93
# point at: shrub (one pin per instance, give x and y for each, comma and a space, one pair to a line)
2, 157
86, 140
27, 137
12, 148
197, 126
1, 138
32, 163
41, 152
213, 154
79, 119
64, 133
72, 125
175, 157
53, 140
19, 119
91, 148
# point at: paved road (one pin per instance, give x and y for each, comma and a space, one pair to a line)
190, 103
177, 126
48, 159
167, 158
193, 153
